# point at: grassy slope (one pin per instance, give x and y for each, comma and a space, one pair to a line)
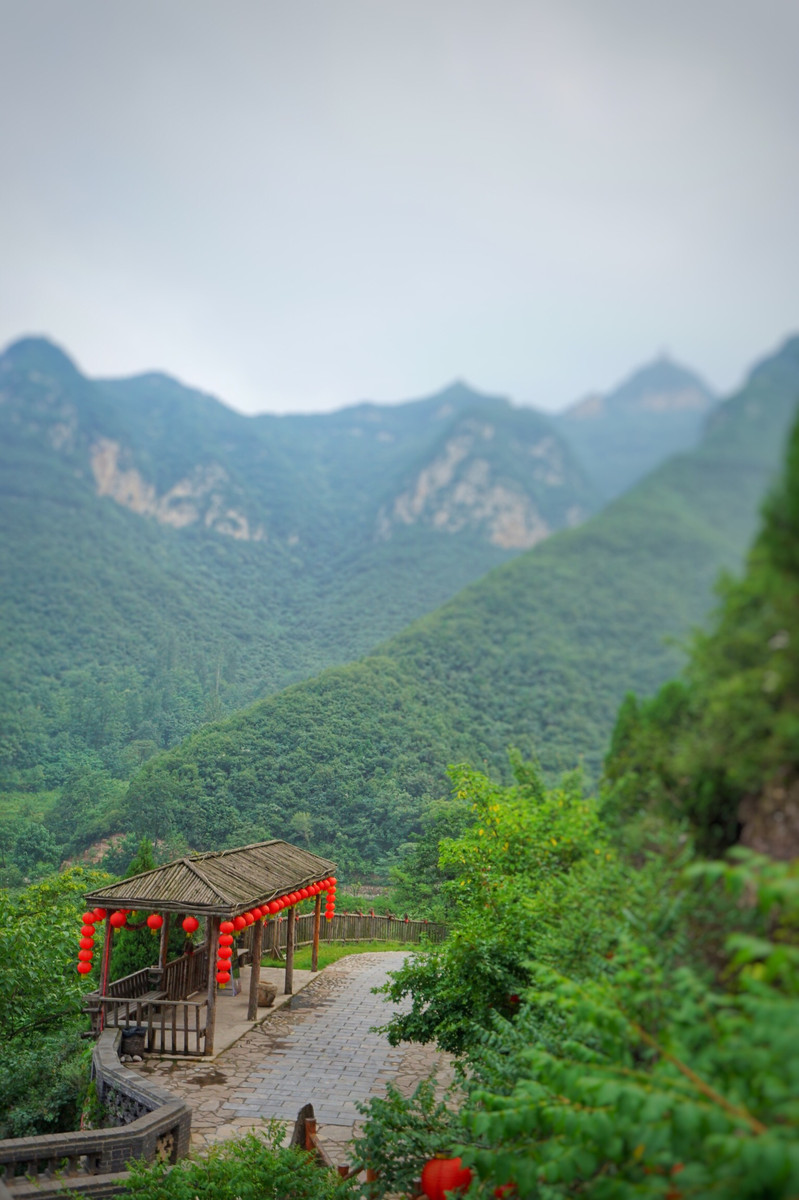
538, 654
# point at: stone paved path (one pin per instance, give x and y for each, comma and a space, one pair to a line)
318, 1049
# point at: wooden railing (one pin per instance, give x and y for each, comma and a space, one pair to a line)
185, 975
349, 927
131, 986
172, 1026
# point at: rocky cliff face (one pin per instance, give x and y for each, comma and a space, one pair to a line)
202, 496
466, 486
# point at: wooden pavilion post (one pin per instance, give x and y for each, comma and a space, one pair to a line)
163, 949
106, 965
317, 920
255, 969
289, 986
210, 1018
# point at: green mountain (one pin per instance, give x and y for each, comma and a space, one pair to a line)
539, 653
166, 560
720, 745
619, 438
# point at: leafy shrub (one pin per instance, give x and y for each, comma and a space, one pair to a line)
253, 1167
400, 1134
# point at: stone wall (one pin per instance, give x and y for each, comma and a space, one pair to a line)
146, 1122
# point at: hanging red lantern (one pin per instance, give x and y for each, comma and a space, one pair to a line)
442, 1175
87, 930
118, 919
226, 927
257, 913
190, 924
304, 893
225, 951
274, 906
84, 968
86, 943
88, 918
249, 918
226, 939
155, 920
85, 955
99, 914
223, 977
239, 923
222, 964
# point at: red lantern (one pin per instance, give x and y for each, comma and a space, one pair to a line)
86, 943
239, 923
304, 893
226, 927
85, 955
99, 914
223, 977
88, 918
257, 913
226, 939
84, 968
191, 924
274, 906
441, 1175
87, 930
225, 951
155, 920
249, 918
222, 964
118, 919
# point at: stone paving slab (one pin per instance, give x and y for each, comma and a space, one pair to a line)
317, 1048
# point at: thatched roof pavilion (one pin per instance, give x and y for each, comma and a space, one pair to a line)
221, 883
217, 886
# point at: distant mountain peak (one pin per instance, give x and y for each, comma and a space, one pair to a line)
619, 436
38, 353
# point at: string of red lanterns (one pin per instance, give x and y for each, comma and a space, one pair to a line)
86, 943
227, 929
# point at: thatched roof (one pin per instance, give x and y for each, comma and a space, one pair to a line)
221, 883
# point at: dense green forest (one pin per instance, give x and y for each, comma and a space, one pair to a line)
538, 654
166, 560
719, 745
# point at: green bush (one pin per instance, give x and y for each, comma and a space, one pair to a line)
253, 1167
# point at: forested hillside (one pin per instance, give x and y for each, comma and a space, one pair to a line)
540, 654
166, 560
720, 745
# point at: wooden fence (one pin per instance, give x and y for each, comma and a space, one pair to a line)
350, 927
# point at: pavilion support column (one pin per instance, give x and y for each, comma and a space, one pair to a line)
163, 948
255, 969
210, 1016
317, 920
106, 966
289, 988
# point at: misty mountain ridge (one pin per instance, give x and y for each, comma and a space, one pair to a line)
168, 559
619, 437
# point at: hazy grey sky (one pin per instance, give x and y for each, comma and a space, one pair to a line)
305, 203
